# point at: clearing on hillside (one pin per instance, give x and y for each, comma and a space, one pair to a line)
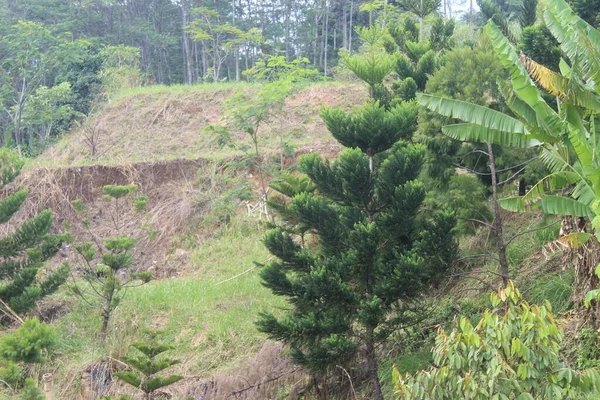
165, 123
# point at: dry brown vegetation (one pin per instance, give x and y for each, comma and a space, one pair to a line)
168, 124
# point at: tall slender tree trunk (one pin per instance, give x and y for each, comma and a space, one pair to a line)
350, 27
345, 27
497, 225
470, 12
186, 48
373, 370
325, 38
421, 22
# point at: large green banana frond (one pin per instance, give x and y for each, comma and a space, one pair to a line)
551, 182
549, 204
568, 90
555, 158
522, 84
559, 205
578, 40
521, 109
480, 134
472, 113
584, 193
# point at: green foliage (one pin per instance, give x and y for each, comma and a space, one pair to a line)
512, 353
219, 38
120, 68
538, 44
46, 109
467, 197
588, 350
567, 136
116, 191
24, 251
528, 13
373, 64
274, 68
419, 63
106, 268
352, 249
588, 10
441, 34
406, 90
556, 289
146, 363
422, 8
248, 114
468, 74
30, 391
391, 125
28, 343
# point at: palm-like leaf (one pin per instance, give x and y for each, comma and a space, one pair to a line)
477, 133
521, 82
559, 205
472, 113
578, 40
569, 90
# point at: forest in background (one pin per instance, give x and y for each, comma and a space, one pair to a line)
57, 55
463, 122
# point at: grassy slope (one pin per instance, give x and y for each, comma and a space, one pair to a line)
208, 316
208, 320
166, 123
205, 313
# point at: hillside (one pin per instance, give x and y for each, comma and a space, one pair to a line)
166, 123
153, 138
206, 293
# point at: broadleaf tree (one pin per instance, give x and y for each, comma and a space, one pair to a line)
512, 353
567, 138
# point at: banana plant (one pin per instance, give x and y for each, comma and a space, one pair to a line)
568, 137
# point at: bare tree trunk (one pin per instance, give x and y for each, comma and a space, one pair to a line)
325, 38
345, 27
421, 22
377, 394
186, 48
350, 27
497, 225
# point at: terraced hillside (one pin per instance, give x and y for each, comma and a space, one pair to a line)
206, 293
166, 123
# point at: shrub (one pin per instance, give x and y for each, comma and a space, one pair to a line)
512, 353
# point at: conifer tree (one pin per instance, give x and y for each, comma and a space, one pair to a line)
147, 363
24, 250
353, 251
106, 266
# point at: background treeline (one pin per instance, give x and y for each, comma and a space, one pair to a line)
57, 56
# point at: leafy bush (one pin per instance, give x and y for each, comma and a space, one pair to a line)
26, 345
512, 353
588, 352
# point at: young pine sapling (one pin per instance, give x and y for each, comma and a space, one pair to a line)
106, 264
147, 363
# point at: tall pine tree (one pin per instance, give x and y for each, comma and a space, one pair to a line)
24, 250
353, 248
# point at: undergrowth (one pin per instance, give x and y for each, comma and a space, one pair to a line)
208, 315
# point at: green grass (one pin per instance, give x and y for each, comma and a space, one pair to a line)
206, 315
557, 288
